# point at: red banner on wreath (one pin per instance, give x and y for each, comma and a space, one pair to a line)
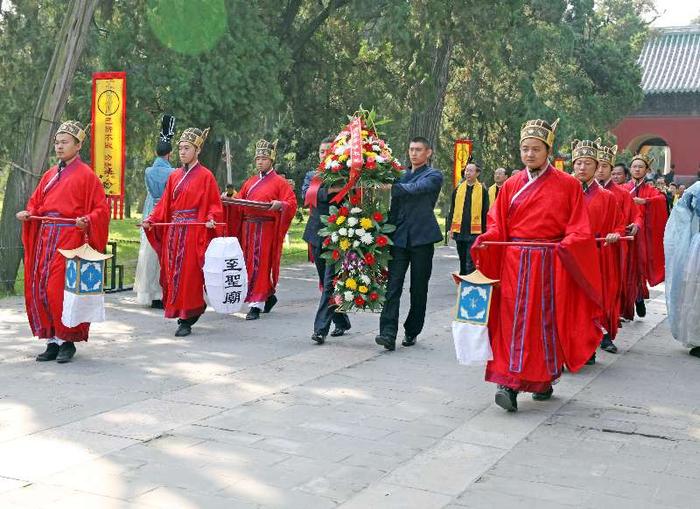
108, 149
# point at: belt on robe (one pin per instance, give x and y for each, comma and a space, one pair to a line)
184, 216
523, 239
258, 219
48, 222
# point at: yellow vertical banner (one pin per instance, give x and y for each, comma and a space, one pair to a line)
559, 163
109, 135
463, 152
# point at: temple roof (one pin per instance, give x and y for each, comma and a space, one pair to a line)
670, 61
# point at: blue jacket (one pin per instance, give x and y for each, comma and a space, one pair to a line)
156, 178
413, 200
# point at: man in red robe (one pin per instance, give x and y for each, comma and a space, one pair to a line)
191, 195
606, 223
651, 207
261, 231
545, 311
68, 190
631, 218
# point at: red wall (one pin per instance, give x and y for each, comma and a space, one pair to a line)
682, 134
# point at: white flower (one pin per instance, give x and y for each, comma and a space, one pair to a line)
339, 150
352, 221
367, 239
360, 232
376, 148
348, 163
355, 210
356, 243
335, 164
380, 159
351, 232
343, 232
365, 279
347, 296
334, 237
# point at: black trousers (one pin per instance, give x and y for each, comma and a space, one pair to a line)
420, 259
326, 313
464, 246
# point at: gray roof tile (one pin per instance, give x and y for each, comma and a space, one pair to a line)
670, 61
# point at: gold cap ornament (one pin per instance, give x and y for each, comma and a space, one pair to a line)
643, 157
194, 136
264, 148
584, 148
74, 128
539, 129
606, 154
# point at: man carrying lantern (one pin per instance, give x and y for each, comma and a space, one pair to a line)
70, 190
546, 310
180, 228
261, 231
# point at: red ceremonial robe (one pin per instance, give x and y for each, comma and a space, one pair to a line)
628, 252
650, 239
191, 197
605, 218
76, 193
545, 310
261, 232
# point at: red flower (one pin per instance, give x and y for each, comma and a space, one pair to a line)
371, 164
326, 241
359, 301
336, 254
332, 218
382, 241
355, 199
373, 296
378, 217
369, 259
343, 211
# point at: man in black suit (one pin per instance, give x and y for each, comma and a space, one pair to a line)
413, 200
319, 206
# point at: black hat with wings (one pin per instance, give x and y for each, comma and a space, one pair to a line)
167, 131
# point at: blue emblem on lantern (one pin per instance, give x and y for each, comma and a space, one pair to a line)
474, 298
85, 269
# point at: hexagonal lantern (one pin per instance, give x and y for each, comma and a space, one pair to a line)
83, 295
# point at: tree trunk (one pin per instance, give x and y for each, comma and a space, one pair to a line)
49, 108
426, 118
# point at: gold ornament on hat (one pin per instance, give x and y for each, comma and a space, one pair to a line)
643, 157
540, 130
584, 148
606, 154
264, 148
74, 128
194, 136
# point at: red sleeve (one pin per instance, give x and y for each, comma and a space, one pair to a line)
98, 217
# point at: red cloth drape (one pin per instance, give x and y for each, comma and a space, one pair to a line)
261, 232
650, 239
77, 193
605, 217
545, 310
187, 198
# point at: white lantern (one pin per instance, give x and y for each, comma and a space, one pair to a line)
225, 275
83, 293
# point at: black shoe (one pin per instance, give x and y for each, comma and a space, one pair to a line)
318, 338
157, 304
409, 340
339, 331
695, 351
591, 361
253, 314
270, 303
507, 398
543, 396
641, 308
50, 353
184, 329
386, 342
608, 345
65, 352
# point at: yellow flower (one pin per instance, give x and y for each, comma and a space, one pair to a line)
343, 158
366, 223
350, 283
340, 220
363, 289
344, 244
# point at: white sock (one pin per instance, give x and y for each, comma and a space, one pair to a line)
259, 305
59, 342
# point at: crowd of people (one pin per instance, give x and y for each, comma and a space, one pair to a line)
574, 255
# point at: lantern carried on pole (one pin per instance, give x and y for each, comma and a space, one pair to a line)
83, 293
470, 325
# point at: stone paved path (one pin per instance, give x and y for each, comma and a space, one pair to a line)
252, 414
